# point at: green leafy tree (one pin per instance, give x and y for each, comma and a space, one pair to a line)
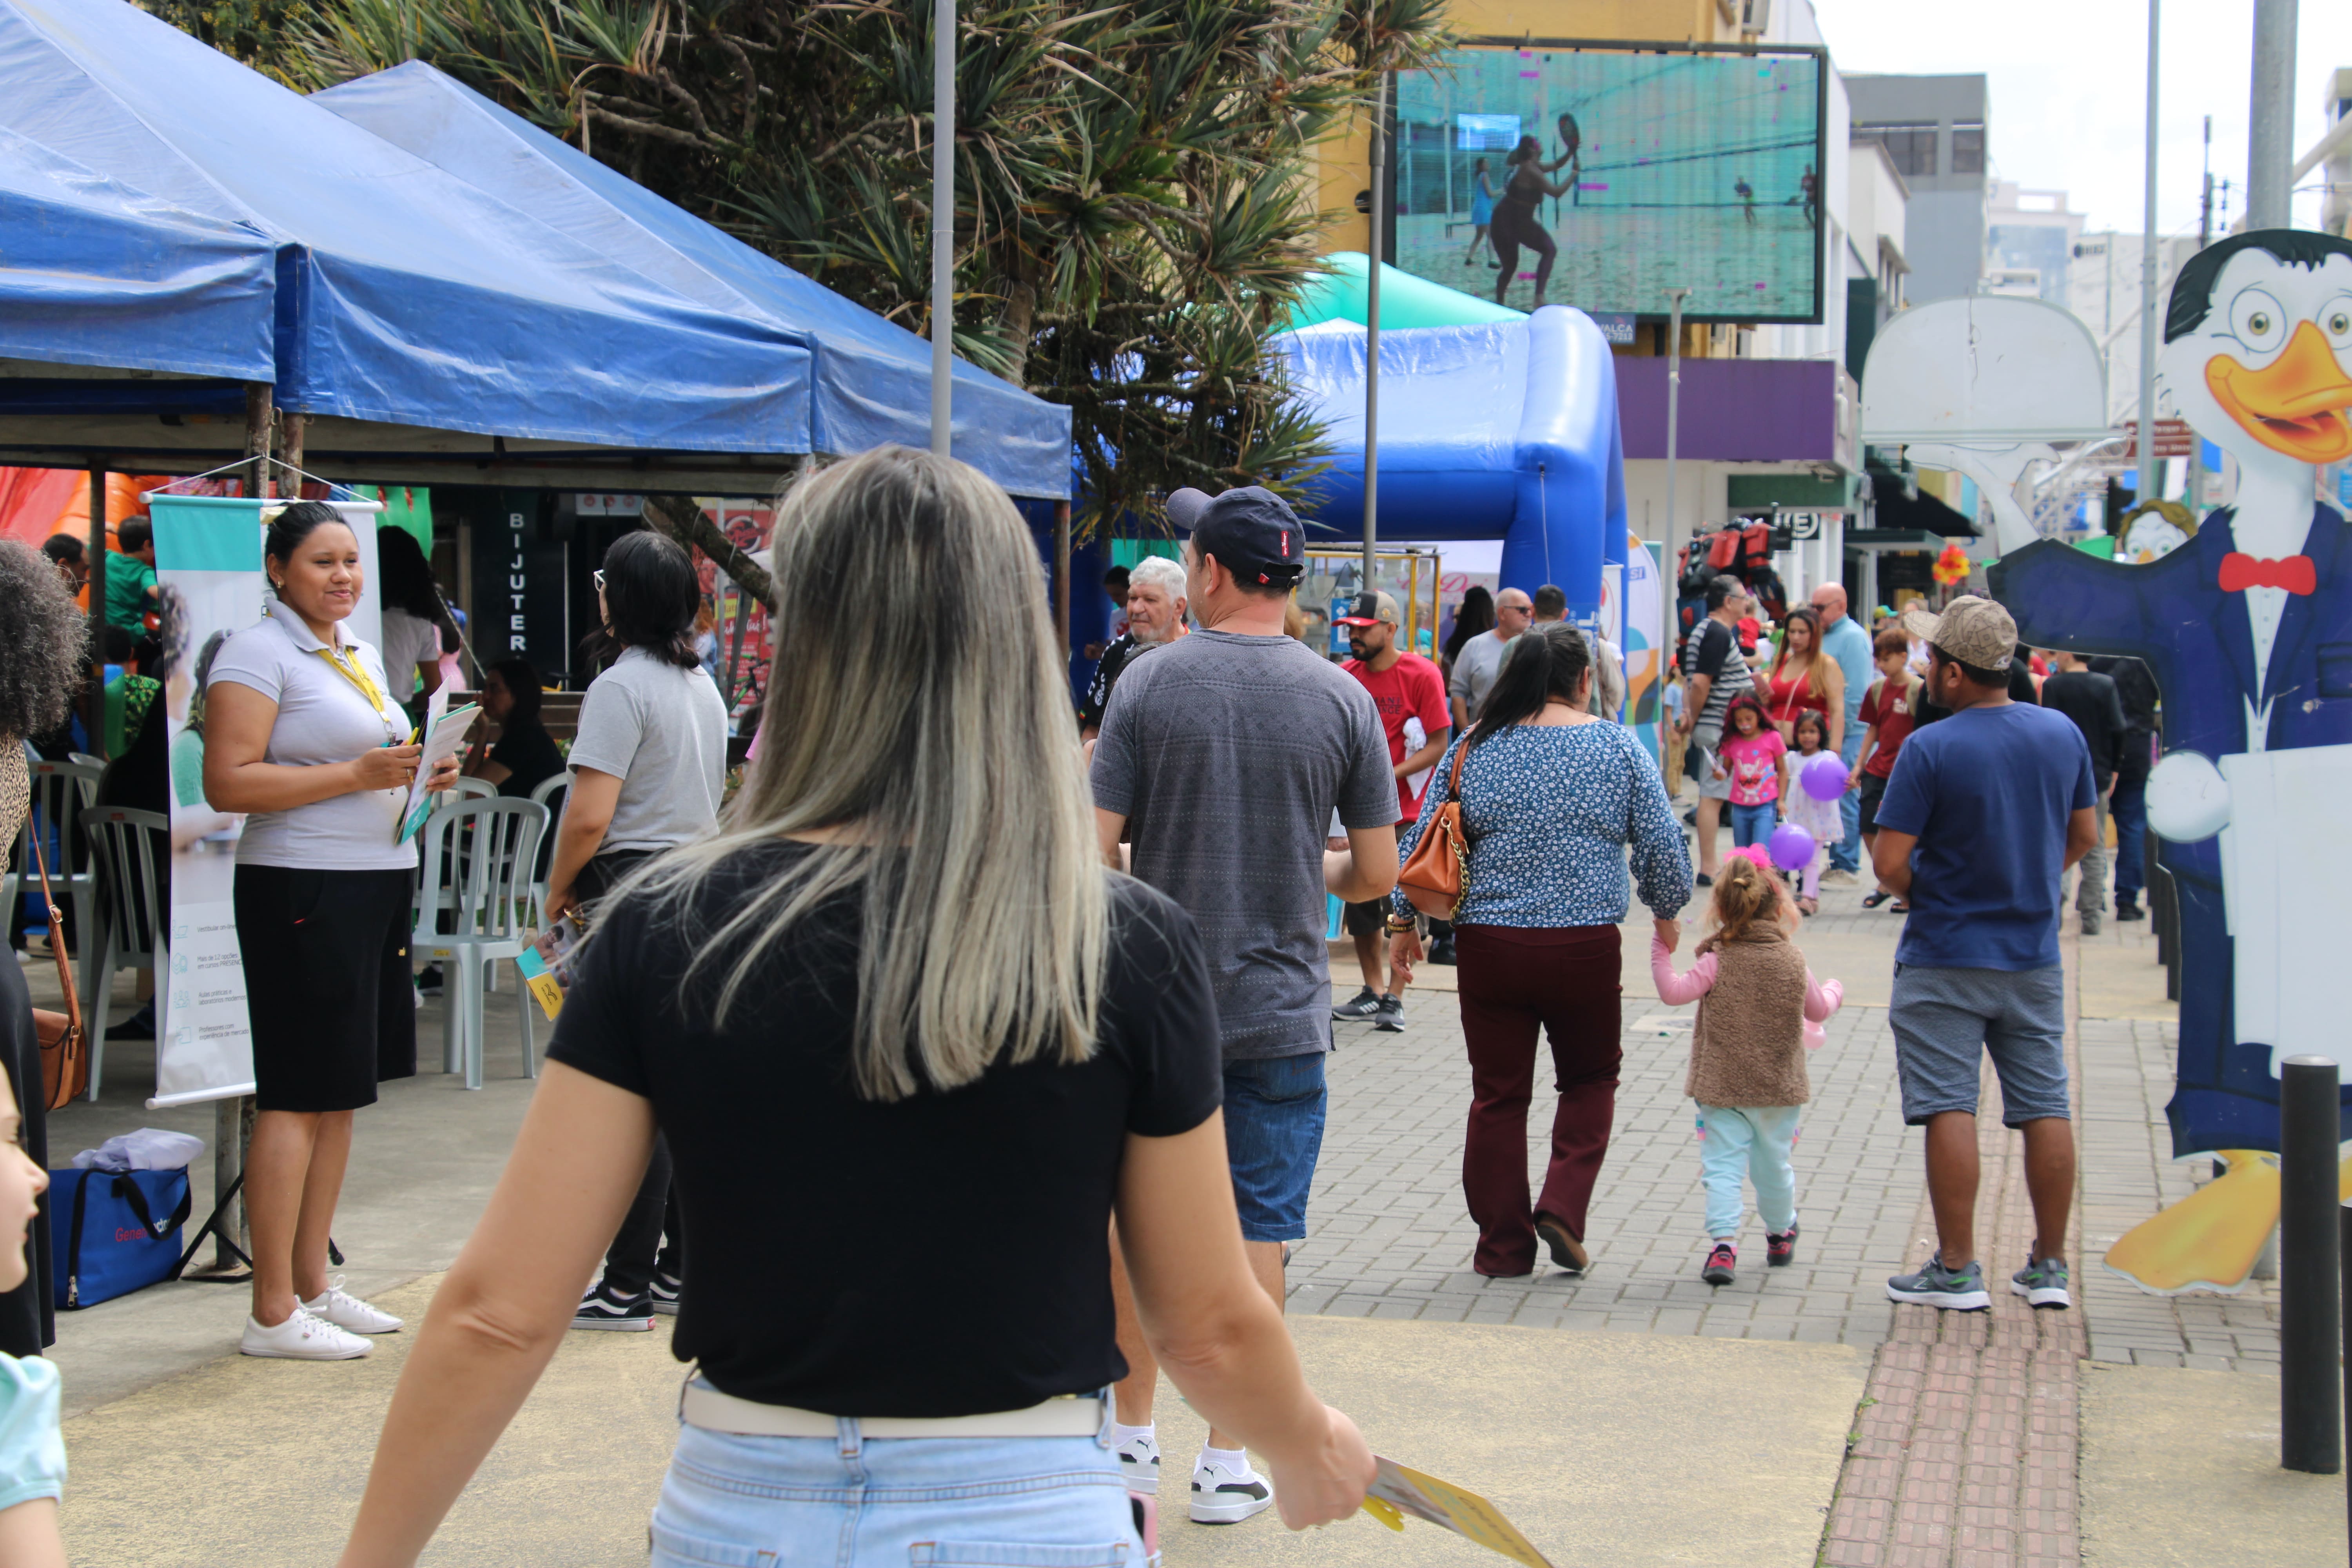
1135, 210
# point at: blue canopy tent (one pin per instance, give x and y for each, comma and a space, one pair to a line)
426, 327
872, 377
1502, 430
104, 274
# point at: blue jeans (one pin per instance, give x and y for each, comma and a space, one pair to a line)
897, 1502
2129, 807
1845, 855
1754, 1142
1273, 1134
1752, 823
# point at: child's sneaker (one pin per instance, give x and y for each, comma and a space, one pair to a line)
1780, 1250
1139, 1461
2042, 1283
1720, 1264
1946, 1289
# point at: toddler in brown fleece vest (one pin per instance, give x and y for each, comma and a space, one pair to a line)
1755, 999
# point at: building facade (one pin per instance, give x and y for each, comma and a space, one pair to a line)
1934, 130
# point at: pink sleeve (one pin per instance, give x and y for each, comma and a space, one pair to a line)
1823, 997
1677, 990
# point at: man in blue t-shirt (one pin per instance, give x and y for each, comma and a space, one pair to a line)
1982, 818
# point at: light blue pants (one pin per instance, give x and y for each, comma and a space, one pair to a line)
1756, 1143
850, 1501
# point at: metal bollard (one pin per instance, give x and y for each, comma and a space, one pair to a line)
2344, 1261
2310, 1433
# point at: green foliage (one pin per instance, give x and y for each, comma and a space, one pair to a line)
1134, 208
258, 33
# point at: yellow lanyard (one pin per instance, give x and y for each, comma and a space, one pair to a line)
356, 673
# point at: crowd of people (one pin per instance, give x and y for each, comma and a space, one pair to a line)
1128, 1051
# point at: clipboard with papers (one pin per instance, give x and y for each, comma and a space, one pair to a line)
445, 736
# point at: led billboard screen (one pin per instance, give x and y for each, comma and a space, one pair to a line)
1619, 174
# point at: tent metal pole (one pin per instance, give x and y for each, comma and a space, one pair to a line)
943, 55
1062, 573
94, 700
1675, 298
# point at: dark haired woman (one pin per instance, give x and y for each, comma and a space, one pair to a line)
1550, 798
525, 755
42, 636
1516, 223
411, 618
304, 735
646, 772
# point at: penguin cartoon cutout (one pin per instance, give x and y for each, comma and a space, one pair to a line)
2247, 628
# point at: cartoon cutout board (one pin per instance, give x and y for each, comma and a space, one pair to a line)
2247, 628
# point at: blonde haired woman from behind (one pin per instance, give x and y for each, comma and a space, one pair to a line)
1033, 1026
1758, 1008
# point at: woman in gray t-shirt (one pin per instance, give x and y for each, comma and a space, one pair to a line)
646, 771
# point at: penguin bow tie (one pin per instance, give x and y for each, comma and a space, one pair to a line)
2240, 571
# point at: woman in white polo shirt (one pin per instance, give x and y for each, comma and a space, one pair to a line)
304, 734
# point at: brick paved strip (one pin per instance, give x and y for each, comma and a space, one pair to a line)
1964, 1450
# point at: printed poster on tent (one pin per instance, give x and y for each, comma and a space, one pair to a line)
210, 587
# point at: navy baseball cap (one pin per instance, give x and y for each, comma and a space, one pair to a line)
1251, 531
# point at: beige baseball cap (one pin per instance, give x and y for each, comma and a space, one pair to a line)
1370, 609
1974, 630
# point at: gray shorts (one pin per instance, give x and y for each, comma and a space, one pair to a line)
1698, 763
1943, 1017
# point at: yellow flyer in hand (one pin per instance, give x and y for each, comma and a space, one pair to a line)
1396, 1491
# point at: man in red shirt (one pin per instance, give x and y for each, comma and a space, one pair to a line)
1410, 692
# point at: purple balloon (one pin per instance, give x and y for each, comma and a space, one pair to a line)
1824, 777
1792, 847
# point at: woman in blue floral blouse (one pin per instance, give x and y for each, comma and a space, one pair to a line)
1551, 797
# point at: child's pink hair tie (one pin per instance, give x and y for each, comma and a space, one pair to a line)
1755, 855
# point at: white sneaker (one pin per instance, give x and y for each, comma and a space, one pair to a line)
1224, 1496
1138, 1463
347, 1311
302, 1337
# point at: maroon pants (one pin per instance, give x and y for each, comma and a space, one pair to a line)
1566, 981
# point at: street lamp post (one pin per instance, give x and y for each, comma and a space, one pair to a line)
1675, 298
943, 55
1372, 338
2146, 426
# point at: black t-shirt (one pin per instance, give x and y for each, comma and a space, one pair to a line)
529, 757
941, 1254
2091, 701
1114, 659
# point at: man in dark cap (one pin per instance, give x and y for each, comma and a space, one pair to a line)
1220, 761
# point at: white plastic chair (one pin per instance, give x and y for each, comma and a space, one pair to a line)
61, 792
552, 792
490, 893
128, 852
84, 760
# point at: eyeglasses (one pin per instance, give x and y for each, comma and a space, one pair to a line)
597, 577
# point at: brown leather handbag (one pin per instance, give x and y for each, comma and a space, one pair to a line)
1437, 877
65, 1044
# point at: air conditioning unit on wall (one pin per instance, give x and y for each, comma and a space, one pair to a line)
1755, 16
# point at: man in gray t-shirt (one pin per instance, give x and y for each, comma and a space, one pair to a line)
1220, 761
1480, 658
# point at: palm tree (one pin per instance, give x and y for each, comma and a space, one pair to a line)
1135, 210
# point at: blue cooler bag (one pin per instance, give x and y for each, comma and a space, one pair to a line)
112, 1233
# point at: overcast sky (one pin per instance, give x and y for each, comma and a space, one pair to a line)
2068, 79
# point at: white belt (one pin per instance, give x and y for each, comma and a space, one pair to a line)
1068, 1415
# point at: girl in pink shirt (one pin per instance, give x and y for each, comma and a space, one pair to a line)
1758, 1008
1755, 760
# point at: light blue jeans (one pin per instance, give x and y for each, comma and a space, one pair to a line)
1756, 1143
852, 1501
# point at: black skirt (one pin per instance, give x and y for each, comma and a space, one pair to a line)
327, 984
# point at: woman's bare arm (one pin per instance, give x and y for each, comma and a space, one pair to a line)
588, 806
1219, 1334
504, 1308
237, 722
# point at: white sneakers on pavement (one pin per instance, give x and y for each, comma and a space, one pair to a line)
1224, 1493
348, 1312
1139, 1459
303, 1336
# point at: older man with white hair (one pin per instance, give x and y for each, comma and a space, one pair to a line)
1155, 616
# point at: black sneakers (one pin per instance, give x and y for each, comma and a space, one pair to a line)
601, 1310
663, 1293
1720, 1264
1390, 1015
1780, 1250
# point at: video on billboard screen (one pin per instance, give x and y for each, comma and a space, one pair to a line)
1600, 179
